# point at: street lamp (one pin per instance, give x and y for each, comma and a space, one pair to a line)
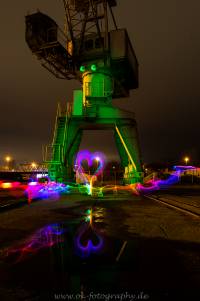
186, 159
8, 159
33, 165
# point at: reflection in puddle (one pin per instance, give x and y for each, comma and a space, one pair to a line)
82, 258
68, 256
46, 237
99, 215
85, 241
88, 241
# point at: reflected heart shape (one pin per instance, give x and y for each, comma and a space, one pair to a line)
88, 241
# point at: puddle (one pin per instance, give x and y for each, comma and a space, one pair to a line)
79, 256
60, 256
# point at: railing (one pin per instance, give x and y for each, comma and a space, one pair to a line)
50, 152
64, 140
150, 177
69, 109
68, 114
58, 114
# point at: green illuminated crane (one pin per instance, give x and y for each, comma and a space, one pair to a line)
103, 60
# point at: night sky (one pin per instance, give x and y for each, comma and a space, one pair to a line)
166, 38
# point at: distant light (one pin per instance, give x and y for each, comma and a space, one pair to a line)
82, 68
97, 159
41, 175
113, 167
186, 159
8, 158
93, 67
33, 165
6, 185
33, 183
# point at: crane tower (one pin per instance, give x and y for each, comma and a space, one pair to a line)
94, 51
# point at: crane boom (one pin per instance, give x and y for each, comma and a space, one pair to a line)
88, 40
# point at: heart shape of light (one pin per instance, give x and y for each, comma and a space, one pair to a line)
85, 155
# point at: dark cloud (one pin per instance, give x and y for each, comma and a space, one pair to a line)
165, 35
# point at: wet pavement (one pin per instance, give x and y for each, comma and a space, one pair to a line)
134, 247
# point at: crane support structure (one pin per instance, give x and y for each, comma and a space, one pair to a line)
104, 62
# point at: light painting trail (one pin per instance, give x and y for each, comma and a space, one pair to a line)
37, 190
53, 190
90, 158
85, 181
85, 156
46, 237
86, 241
158, 184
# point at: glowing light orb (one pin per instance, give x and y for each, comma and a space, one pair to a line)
93, 67
82, 68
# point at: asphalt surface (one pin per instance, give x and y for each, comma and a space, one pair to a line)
149, 251
12, 199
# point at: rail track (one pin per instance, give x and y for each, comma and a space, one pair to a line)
176, 205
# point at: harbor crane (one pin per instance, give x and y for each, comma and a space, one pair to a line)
95, 51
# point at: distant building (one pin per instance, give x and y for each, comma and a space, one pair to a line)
30, 167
